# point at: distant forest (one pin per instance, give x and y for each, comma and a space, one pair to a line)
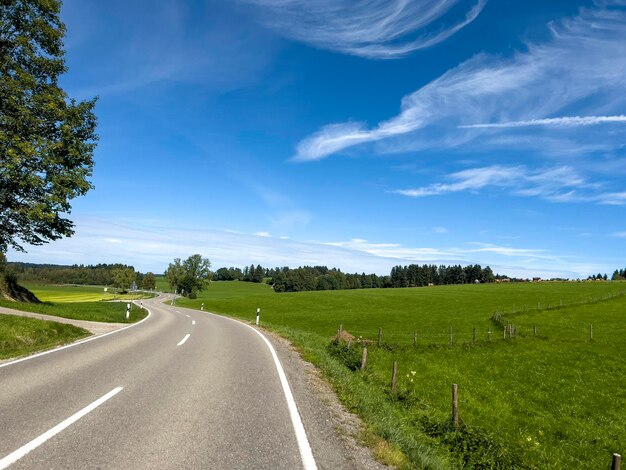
309, 278
285, 279
96, 275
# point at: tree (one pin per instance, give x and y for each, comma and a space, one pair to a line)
46, 138
174, 274
123, 278
149, 281
190, 276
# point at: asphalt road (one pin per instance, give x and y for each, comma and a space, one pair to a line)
182, 389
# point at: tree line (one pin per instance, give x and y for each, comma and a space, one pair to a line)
307, 278
116, 275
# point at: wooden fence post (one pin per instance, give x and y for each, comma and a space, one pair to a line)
393, 377
617, 462
364, 359
455, 406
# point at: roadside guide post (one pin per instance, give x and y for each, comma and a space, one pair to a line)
258, 314
127, 311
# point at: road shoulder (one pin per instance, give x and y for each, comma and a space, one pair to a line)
332, 430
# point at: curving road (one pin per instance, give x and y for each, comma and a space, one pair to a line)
182, 389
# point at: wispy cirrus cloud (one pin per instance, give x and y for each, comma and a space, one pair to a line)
151, 245
566, 121
580, 68
375, 29
556, 183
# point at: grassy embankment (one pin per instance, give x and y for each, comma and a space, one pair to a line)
553, 400
76, 302
20, 335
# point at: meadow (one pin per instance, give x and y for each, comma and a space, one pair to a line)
21, 335
77, 293
79, 303
548, 397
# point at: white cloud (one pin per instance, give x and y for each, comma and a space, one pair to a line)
150, 247
582, 66
440, 230
558, 184
159, 49
566, 121
612, 199
376, 29
263, 234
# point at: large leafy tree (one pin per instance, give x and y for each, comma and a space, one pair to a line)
46, 138
149, 281
189, 276
124, 277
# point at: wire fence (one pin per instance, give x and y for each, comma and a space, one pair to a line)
503, 325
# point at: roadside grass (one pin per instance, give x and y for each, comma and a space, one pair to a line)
77, 293
553, 400
114, 312
20, 335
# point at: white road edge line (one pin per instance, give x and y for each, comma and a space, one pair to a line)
306, 455
182, 341
60, 348
32, 445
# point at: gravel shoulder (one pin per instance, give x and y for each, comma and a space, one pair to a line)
333, 432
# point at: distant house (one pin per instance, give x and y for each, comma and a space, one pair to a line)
537, 279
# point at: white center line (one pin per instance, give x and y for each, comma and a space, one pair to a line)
193, 322
182, 341
187, 316
25, 449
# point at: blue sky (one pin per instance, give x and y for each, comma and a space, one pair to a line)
360, 135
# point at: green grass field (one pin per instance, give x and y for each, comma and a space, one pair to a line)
21, 335
78, 303
71, 293
114, 312
161, 284
554, 400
